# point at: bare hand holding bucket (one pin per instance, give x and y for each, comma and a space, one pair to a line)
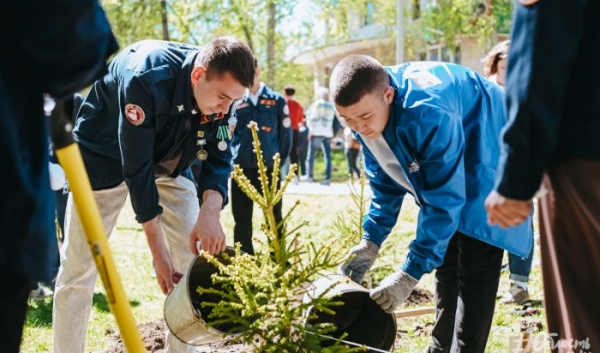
208, 230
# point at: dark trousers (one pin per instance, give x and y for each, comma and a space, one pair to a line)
13, 305
242, 208
466, 286
570, 254
294, 152
352, 159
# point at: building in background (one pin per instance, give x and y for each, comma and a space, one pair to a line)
367, 36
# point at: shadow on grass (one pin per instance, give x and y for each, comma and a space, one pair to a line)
101, 304
39, 313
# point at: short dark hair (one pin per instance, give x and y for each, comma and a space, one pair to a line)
289, 90
228, 54
354, 77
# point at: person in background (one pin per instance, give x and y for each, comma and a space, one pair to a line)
352, 151
56, 48
303, 134
271, 113
494, 68
431, 130
162, 106
551, 151
320, 118
296, 117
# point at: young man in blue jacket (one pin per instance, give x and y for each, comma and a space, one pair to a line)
271, 113
56, 48
161, 106
431, 130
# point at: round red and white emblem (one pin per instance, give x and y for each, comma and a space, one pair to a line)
134, 113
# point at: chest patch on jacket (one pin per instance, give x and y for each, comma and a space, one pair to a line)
424, 78
267, 102
134, 114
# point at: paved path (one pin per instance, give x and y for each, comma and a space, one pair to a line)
317, 189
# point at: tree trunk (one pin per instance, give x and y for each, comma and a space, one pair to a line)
165, 21
271, 44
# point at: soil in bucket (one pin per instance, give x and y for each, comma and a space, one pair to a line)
200, 276
362, 319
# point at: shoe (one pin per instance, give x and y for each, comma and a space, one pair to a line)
40, 293
295, 181
303, 177
309, 180
515, 295
325, 182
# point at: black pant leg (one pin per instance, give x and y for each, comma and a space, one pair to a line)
446, 296
242, 208
294, 150
13, 304
479, 267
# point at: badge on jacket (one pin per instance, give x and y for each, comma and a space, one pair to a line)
134, 114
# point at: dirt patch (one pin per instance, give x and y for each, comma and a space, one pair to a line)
419, 297
153, 333
153, 336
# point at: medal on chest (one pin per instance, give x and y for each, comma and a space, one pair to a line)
222, 134
231, 123
202, 155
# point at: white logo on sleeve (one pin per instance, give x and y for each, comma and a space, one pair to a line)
286, 122
135, 114
286, 110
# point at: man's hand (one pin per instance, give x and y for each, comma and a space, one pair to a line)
361, 258
506, 212
166, 276
208, 230
393, 290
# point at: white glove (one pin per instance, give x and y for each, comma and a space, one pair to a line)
363, 257
393, 290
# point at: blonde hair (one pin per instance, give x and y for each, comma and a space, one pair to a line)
491, 59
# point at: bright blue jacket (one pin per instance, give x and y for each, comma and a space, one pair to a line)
444, 133
141, 121
272, 116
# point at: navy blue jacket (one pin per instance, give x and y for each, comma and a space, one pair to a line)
272, 116
57, 47
552, 91
141, 121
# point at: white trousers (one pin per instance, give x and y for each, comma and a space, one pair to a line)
77, 274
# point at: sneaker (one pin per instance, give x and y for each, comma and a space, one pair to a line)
515, 295
40, 293
325, 182
295, 181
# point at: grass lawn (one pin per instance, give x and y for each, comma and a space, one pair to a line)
134, 264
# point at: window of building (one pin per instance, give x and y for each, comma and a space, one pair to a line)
439, 52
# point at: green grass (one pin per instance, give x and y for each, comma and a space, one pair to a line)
133, 261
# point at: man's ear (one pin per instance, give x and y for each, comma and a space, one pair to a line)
388, 94
197, 73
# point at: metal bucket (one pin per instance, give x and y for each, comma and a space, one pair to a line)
360, 317
183, 310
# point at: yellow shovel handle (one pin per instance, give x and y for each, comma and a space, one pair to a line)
71, 161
